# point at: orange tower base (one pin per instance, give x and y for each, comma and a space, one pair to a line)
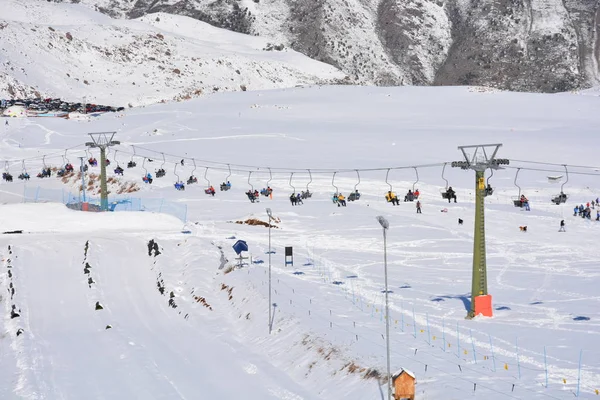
84, 206
483, 305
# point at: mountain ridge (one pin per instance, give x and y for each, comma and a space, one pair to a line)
521, 45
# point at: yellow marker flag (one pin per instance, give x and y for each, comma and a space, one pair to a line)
564, 381
422, 331
466, 352
597, 392
434, 337
506, 366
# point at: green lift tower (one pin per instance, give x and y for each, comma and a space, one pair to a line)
479, 158
102, 140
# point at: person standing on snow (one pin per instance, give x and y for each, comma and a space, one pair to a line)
419, 207
562, 226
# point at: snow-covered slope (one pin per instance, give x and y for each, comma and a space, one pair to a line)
328, 325
70, 51
526, 45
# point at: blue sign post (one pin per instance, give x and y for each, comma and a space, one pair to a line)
238, 247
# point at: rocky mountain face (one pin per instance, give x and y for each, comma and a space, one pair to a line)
523, 45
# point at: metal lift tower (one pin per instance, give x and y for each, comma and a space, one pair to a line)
479, 158
102, 140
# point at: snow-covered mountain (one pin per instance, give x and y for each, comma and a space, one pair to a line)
70, 51
532, 45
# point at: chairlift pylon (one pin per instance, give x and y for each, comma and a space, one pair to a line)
309, 182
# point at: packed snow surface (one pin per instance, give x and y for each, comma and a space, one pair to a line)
180, 327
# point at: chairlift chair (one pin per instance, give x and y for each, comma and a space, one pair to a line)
444, 192
118, 170
192, 178
489, 190
307, 194
226, 185
267, 191
131, 163
161, 171
517, 201
147, 178
24, 175
251, 193
390, 196
6, 175
562, 197
68, 165
355, 195
179, 185
209, 189
334, 198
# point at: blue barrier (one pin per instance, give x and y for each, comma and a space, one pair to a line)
115, 203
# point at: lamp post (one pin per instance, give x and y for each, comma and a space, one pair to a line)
270, 214
102, 140
385, 225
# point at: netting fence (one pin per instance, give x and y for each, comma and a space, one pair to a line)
115, 203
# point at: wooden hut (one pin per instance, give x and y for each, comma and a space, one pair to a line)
404, 383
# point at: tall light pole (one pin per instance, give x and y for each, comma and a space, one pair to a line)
270, 214
385, 225
483, 156
102, 140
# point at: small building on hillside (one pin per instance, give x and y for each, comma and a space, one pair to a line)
15, 112
404, 383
